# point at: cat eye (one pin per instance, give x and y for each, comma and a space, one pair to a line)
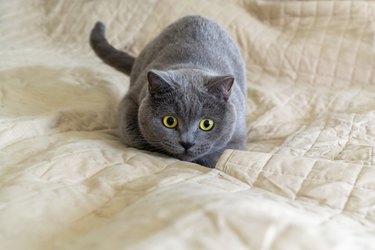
170, 121
206, 124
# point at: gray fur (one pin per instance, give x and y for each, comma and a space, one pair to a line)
193, 70
120, 60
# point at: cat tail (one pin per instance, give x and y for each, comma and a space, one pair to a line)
119, 60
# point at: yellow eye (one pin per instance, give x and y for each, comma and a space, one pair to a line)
170, 121
206, 124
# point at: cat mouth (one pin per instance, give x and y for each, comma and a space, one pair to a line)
190, 155
186, 158
185, 154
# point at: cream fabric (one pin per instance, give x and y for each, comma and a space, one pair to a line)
306, 180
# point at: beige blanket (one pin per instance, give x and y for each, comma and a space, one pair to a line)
306, 181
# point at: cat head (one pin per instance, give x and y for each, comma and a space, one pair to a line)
187, 113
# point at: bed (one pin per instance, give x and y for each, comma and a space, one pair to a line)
305, 181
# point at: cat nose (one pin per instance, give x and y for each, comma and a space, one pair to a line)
186, 145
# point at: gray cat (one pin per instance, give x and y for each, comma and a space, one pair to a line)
187, 94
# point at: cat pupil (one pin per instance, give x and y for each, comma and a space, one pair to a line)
170, 121
206, 123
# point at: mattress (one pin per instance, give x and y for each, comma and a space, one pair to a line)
306, 179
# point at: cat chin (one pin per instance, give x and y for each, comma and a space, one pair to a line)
187, 156
190, 155
182, 155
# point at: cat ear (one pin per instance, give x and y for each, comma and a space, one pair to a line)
221, 86
157, 83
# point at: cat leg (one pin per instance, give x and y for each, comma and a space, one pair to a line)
128, 121
209, 160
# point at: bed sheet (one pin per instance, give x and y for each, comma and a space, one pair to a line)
305, 180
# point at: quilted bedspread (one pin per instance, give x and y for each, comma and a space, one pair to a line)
305, 181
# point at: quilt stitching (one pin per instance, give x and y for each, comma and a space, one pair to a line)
339, 48
355, 63
303, 180
260, 171
348, 139
353, 187
305, 176
356, 54
321, 47
287, 46
317, 137
298, 67
297, 195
